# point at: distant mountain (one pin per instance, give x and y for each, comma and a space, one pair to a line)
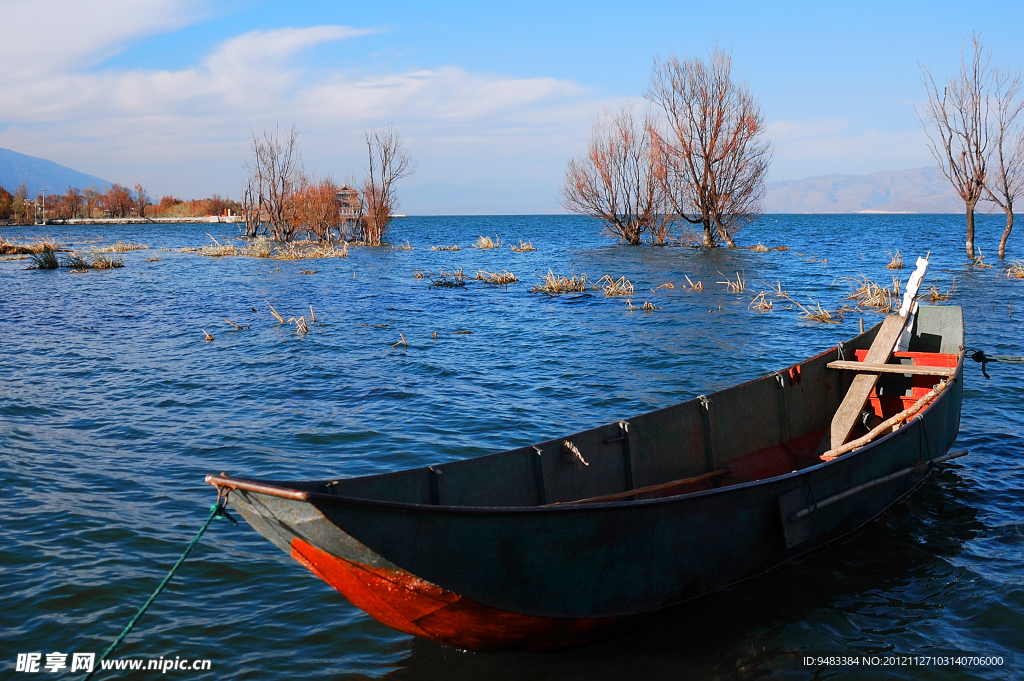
38, 173
921, 190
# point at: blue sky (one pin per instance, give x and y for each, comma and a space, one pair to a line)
492, 99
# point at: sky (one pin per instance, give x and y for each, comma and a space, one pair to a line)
491, 99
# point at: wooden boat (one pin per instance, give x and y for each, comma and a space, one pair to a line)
562, 542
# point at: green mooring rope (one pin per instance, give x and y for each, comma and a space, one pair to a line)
216, 511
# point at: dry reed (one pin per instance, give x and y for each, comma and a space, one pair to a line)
8, 248
453, 247
869, 294
738, 286
819, 314
895, 261
151, 260
553, 284
206, 336
485, 242
699, 286
646, 307
403, 247
979, 261
523, 247
326, 251
503, 278
760, 248
76, 261
218, 250
614, 287
935, 295
760, 302
101, 261
308, 271
277, 315
257, 248
122, 247
665, 285
300, 324
446, 279
422, 274
401, 342
1016, 270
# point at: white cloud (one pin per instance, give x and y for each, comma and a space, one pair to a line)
45, 37
187, 130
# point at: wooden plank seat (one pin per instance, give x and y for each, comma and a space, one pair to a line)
905, 369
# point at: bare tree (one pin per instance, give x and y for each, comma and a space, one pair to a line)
956, 122
316, 208
1005, 183
389, 162
713, 156
617, 181
141, 200
274, 172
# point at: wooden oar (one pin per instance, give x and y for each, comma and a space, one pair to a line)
885, 425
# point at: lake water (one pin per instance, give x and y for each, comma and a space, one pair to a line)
113, 408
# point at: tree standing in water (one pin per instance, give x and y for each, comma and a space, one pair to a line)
713, 158
956, 122
1006, 180
389, 162
616, 182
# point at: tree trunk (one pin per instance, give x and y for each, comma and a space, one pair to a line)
709, 237
724, 232
1006, 232
970, 230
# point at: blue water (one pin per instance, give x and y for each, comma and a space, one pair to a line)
113, 408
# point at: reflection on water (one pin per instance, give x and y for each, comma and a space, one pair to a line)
113, 407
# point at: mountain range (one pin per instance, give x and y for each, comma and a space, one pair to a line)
38, 173
920, 190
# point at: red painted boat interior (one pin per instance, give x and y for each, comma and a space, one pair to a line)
886, 405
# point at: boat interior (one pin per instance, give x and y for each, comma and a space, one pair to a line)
767, 427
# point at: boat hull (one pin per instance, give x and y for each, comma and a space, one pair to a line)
549, 575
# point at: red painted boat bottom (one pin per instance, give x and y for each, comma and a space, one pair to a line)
409, 604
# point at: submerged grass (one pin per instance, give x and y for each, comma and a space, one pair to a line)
448, 279
101, 261
935, 295
614, 287
819, 314
503, 278
257, 248
43, 260
554, 284
36, 247
760, 302
453, 247
217, 250
485, 242
523, 247
122, 247
868, 294
738, 286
